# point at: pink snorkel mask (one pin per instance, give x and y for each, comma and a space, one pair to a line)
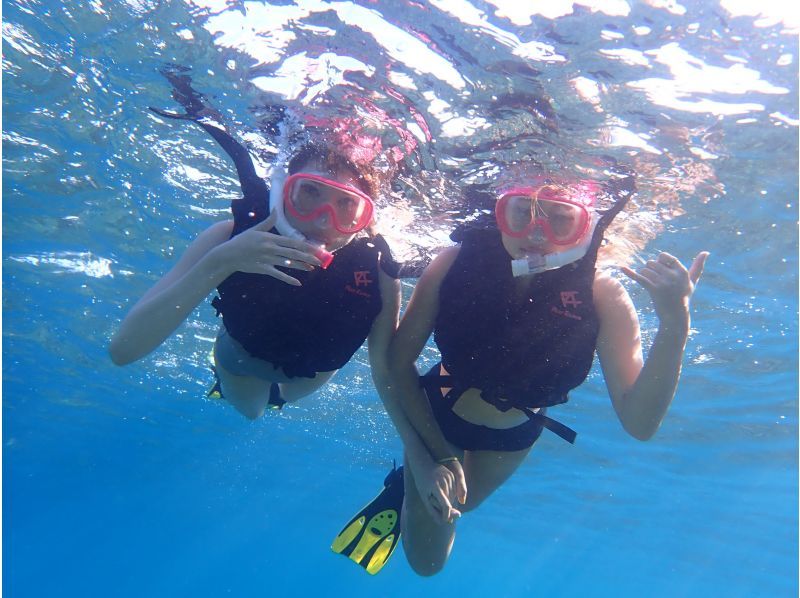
308, 197
562, 211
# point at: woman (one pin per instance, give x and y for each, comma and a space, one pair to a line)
299, 292
517, 313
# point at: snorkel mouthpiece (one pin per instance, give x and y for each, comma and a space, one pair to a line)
536, 263
324, 256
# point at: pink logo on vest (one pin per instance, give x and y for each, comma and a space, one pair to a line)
570, 299
362, 278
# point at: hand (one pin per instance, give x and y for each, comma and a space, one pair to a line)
669, 283
258, 251
460, 481
436, 489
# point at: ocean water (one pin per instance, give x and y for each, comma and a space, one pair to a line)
128, 482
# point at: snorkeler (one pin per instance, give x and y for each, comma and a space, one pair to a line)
517, 312
299, 290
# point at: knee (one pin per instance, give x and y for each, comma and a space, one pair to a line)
251, 412
425, 567
423, 558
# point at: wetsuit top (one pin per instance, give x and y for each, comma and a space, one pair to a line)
316, 327
522, 348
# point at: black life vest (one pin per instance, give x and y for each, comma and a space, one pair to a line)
522, 348
313, 328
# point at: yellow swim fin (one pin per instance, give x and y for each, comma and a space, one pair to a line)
371, 536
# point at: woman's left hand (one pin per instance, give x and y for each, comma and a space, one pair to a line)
436, 486
669, 283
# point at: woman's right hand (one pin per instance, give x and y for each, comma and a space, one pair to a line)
258, 251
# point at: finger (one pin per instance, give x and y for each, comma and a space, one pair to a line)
296, 244
460, 484
297, 255
656, 279
289, 259
446, 511
660, 268
293, 264
309, 252
636, 277
453, 515
670, 261
698, 265
445, 490
435, 509
279, 252
272, 271
461, 491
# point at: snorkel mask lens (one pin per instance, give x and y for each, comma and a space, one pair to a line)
308, 197
562, 219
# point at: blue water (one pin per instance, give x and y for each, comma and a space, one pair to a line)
127, 482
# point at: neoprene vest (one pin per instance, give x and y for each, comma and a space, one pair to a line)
316, 327
522, 348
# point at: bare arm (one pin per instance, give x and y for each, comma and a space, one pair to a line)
414, 330
380, 337
438, 484
169, 302
209, 260
642, 390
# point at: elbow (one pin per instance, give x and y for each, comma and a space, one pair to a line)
118, 354
643, 436
642, 432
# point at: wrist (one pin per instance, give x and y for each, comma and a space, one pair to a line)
216, 265
675, 322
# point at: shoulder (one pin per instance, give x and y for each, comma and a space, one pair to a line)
219, 229
434, 274
441, 263
609, 295
606, 285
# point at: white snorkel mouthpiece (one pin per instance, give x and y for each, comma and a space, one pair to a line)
536, 263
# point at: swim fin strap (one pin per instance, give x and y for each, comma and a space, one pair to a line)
371, 536
215, 392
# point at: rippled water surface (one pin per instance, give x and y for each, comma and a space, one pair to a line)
127, 482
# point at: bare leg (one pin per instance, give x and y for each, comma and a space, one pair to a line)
427, 543
248, 394
486, 471
246, 381
297, 388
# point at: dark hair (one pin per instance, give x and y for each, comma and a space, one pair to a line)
328, 159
